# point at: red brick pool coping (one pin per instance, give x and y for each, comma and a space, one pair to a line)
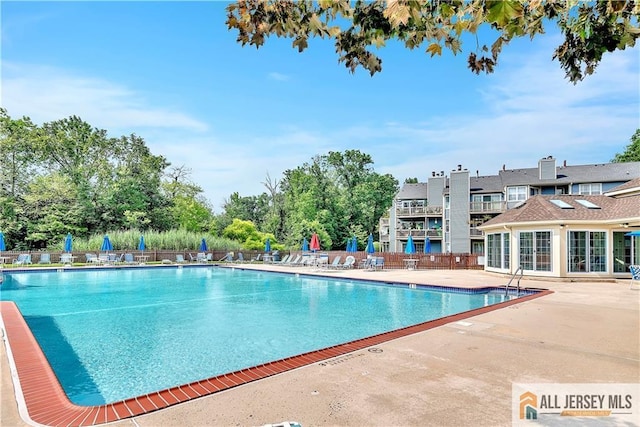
47, 403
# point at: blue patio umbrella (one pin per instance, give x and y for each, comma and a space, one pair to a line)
68, 243
348, 248
305, 245
410, 247
141, 244
3, 247
267, 245
106, 244
370, 248
203, 245
427, 246
354, 244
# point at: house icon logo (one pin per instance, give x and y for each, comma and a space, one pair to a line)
528, 406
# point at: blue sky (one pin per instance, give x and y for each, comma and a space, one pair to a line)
173, 74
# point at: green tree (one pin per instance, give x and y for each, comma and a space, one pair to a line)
52, 210
589, 28
335, 195
191, 214
631, 152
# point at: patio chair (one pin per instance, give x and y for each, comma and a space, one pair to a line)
66, 259
635, 276
294, 261
23, 259
335, 264
45, 258
378, 263
180, 259
92, 258
209, 258
128, 259
284, 259
348, 262
201, 257
240, 257
256, 258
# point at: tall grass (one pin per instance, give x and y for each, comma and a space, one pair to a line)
175, 240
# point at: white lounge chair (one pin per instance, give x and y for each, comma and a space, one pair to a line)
45, 258
335, 264
348, 262
23, 259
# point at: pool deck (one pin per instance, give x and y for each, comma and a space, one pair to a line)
456, 374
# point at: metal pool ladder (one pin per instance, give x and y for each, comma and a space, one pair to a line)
506, 288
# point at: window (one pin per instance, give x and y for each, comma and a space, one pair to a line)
535, 250
517, 194
593, 188
498, 250
587, 251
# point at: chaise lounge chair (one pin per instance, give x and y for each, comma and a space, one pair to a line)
23, 259
66, 259
348, 262
45, 258
335, 264
180, 259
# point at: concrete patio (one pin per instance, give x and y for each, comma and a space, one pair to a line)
457, 374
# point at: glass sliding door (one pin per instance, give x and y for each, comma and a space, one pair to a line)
535, 250
498, 250
587, 251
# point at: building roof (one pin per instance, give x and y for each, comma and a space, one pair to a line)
413, 192
542, 209
630, 187
486, 184
603, 172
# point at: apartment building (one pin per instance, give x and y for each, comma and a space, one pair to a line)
449, 210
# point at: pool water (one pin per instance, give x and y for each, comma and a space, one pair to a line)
118, 333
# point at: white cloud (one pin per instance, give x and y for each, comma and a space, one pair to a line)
46, 94
278, 76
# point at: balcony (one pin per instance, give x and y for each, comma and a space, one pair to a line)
418, 234
488, 207
419, 211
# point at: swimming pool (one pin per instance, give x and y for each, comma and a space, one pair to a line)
118, 333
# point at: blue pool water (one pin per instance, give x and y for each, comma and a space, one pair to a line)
119, 333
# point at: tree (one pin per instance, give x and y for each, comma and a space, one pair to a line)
589, 28
632, 152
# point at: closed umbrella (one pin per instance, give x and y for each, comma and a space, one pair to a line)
3, 247
141, 244
267, 245
410, 247
68, 243
348, 249
106, 244
203, 245
370, 248
354, 244
427, 246
315, 243
305, 245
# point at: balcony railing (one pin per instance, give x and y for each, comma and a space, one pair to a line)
418, 234
488, 207
419, 211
